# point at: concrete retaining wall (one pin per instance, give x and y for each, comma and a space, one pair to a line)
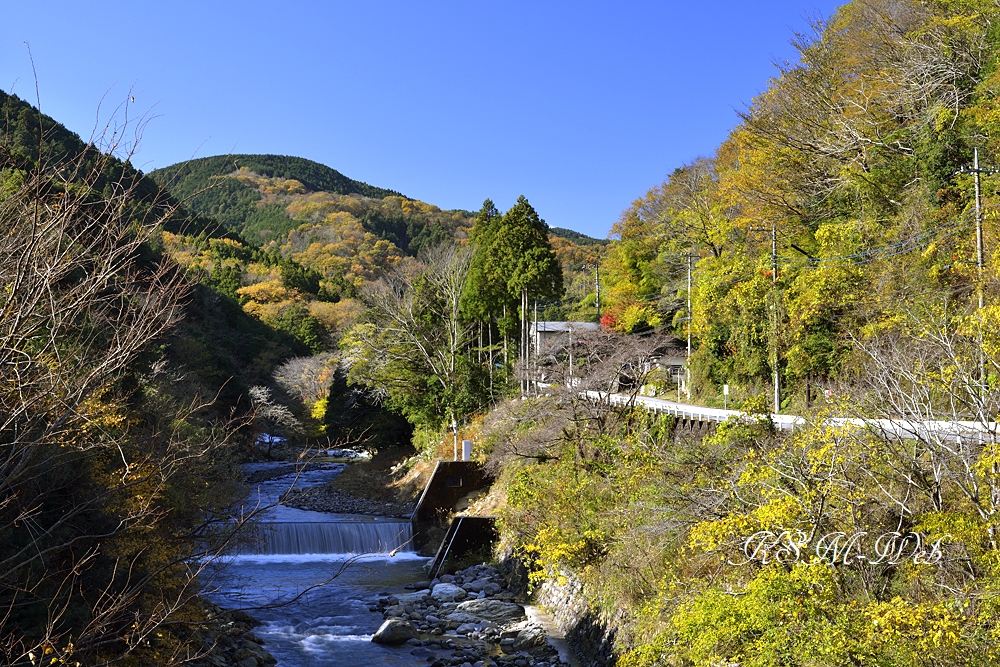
591, 639
467, 536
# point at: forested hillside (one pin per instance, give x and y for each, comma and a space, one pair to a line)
126, 404
264, 197
832, 247
854, 158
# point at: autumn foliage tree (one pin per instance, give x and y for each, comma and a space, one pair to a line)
411, 347
852, 158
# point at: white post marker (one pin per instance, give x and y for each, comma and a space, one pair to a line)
725, 397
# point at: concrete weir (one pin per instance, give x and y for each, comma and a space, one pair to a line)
336, 537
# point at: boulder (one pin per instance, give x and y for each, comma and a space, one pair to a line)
448, 593
394, 632
532, 635
461, 617
521, 636
243, 617
412, 599
348, 454
475, 586
495, 611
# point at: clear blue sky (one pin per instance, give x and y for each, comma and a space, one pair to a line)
580, 106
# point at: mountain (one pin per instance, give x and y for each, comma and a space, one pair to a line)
206, 186
187, 178
576, 237
215, 344
243, 192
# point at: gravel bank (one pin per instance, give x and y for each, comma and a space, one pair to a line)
326, 499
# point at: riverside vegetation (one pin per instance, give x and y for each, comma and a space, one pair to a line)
317, 303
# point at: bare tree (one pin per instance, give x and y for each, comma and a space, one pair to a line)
307, 378
581, 412
415, 332
938, 414
106, 513
275, 419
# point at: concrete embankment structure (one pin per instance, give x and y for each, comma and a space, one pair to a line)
450, 481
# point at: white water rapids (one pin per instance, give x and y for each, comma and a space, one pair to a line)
357, 557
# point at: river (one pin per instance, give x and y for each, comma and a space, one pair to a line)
353, 557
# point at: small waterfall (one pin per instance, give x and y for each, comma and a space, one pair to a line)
337, 537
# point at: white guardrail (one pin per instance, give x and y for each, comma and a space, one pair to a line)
955, 431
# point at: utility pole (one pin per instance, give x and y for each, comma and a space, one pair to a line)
687, 364
774, 312
569, 330
979, 229
774, 315
597, 286
527, 346
534, 344
976, 171
596, 266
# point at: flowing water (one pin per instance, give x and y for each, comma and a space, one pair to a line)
314, 577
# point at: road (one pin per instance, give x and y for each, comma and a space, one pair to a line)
949, 431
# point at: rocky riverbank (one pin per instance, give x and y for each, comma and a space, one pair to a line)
229, 641
465, 619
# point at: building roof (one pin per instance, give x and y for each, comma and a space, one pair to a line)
557, 327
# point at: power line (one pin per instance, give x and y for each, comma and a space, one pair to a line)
900, 247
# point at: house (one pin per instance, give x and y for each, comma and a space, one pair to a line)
543, 333
671, 356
